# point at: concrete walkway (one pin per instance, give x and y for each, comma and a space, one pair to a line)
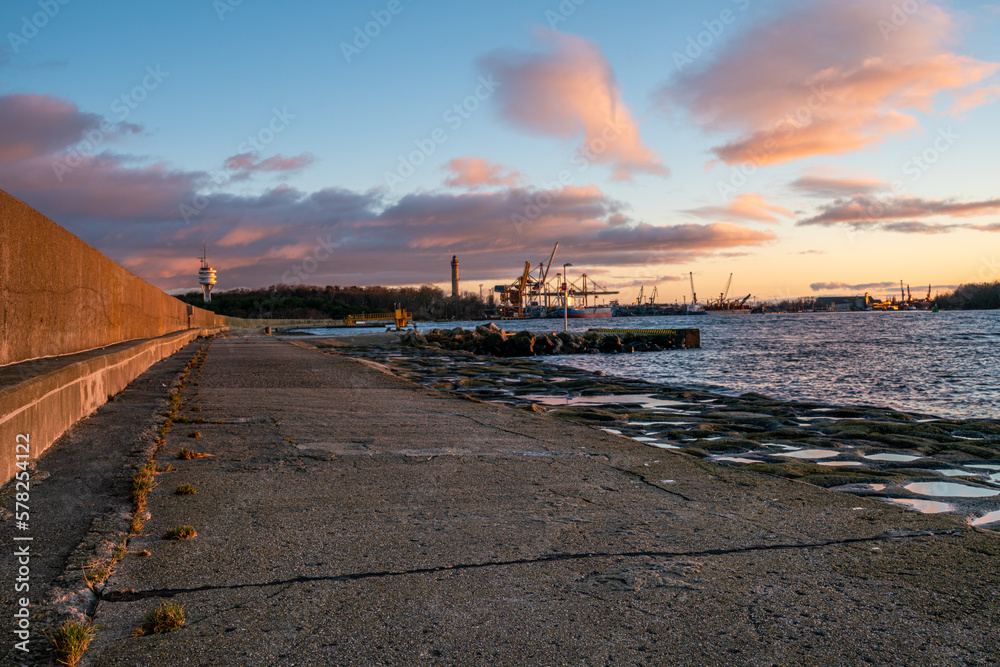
348, 517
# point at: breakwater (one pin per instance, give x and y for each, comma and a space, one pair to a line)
492, 340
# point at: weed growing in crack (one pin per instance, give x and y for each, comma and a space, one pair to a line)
169, 616
71, 641
189, 454
180, 533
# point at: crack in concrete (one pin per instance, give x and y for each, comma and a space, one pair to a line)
131, 596
640, 478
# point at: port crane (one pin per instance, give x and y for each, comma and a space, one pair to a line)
725, 293
694, 297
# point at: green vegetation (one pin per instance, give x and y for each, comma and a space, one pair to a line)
974, 296
189, 454
71, 641
180, 533
336, 303
166, 618
184, 490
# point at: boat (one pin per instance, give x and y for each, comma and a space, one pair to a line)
693, 309
725, 310
588, 311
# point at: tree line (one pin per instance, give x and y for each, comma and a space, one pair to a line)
974, 296
334, 302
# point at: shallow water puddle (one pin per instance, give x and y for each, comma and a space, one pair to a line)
809, 454
955, 473
923, 506
661, 445
775, 444
950, 490
840, 464
901, 458
992, 517
987, 466
660, 423
735, 459
647, 401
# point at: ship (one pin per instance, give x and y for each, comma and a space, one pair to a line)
589, 311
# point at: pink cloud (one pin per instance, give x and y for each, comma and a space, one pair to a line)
745, 207
476, 172
820, 183
331, 236
824, 80
862, 210
42, 124
247, 162
570, 90
826, 287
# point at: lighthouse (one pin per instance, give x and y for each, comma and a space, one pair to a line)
206, 276
454, 276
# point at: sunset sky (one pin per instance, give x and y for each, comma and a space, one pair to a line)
809, 148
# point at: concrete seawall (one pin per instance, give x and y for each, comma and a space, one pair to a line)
59, 295
43, 398
75, 327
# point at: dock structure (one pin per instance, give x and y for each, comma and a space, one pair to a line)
348, 515
400, 318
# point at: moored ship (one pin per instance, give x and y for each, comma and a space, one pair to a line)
589, 311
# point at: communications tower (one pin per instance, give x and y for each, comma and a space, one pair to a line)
206, 276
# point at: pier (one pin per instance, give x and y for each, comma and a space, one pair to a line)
339, 514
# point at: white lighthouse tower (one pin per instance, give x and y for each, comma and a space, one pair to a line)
206, 276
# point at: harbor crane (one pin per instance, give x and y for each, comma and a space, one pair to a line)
724, 294
694, 297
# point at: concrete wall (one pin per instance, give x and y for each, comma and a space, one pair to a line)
59, 295
45, 405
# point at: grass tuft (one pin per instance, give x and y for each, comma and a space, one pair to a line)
96, 576
71, 641
180, 533
189, 454
185, 490
166, 618
194, 434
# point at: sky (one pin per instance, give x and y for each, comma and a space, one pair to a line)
808, 148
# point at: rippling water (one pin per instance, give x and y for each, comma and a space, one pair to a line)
944, 364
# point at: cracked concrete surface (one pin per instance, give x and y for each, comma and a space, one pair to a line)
351, 517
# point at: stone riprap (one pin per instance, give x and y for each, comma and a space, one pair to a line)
914, 460
494, 341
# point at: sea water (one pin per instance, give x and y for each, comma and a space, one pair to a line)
942, 364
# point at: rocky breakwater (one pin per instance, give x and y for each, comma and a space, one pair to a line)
494, 341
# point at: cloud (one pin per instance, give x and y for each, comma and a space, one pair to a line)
744, 207
131, 211
38, 125
569, 90
865, 211
827, 287
991, 227
826, 79
817, 183
811, 252
250, 162
975, 98
913, 227
474, 173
